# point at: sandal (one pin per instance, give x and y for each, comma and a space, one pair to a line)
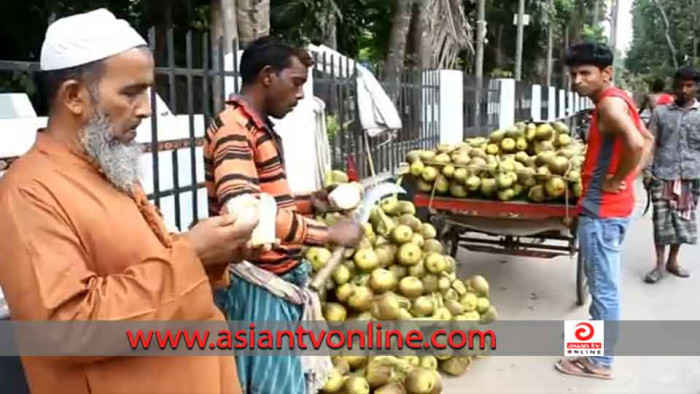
579, 367
678, 271
653, 276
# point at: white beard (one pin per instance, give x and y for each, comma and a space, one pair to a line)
118, 160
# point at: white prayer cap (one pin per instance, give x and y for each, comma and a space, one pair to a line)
83, 38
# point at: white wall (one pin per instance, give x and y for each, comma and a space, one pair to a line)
451, 106
552, 105
561, 103
507, 103
16, 105
536, 103
570, 104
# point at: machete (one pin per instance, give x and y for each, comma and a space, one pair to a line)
372, 196
646, 208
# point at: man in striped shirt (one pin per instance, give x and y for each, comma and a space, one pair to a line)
243, 155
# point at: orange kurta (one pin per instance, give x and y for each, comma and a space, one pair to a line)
72, 247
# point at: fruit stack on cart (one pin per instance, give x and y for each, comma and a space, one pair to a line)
513, 192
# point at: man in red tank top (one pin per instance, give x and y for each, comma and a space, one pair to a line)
617, 143
657, 96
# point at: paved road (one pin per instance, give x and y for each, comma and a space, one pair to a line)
524, 288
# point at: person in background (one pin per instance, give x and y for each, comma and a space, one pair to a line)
656, 97
243, 157
617, 143
673, 178
80, 240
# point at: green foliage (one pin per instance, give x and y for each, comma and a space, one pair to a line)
499, 73
649, 55
334, 128
594, 33
564, 10
562, 16
303, 21
363, 26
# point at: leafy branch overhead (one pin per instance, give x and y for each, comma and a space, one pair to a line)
666, 34
390, 35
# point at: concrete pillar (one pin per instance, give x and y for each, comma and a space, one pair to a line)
561, 104
506, 115
536, 103
570, 104
451, 106
552, 103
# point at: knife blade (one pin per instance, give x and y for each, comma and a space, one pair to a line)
373, 195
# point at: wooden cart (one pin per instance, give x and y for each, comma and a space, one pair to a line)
516, 228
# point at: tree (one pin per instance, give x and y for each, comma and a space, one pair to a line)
304, 21
499, 56
253, 19
656, 50
401, 22
667, 33
449, 32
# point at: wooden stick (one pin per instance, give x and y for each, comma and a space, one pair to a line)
319, 280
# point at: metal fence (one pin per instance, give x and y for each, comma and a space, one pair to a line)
481, 106
179, 86
523, 101
190, 80
417, 100
187, 90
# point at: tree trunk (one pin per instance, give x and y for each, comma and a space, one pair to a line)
550, 34
564, 47
421, 35
499, 47
161, 13
519, 41
393, 64
696, 30
331, 34
223, 25
253, 18
596, 11
578, 21
230, 24
671, 47
613, 24
480, 37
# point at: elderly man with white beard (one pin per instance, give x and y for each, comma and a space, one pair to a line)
79, 239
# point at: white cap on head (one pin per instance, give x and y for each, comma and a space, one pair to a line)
84, 38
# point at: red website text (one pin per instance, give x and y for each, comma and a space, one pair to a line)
373, 338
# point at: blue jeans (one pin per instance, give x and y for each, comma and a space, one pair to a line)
601, 245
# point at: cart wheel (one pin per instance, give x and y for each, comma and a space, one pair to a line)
454, 243
581, 281
448, 237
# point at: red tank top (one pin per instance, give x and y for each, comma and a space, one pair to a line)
602, 158
664, 99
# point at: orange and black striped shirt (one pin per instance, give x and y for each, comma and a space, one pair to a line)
243, 155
